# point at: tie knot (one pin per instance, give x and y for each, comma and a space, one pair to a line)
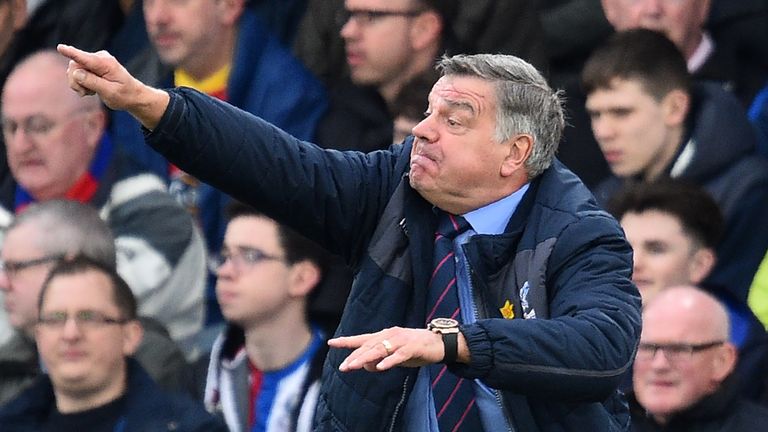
451, 225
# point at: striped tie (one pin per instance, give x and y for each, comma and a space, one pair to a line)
454, 397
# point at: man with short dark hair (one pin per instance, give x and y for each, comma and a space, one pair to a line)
265, 367
652, 123
87, 330
388, 44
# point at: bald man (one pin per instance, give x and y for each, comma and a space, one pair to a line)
682, 372
57, 147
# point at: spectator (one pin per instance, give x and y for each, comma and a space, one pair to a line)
265, 368
673, 229
86, 332
652, 123
58, 147
736, 60
224, 49
388, 43
41, 235
684, 368
554, 319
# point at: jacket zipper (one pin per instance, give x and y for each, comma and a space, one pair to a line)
475, 301
399, 404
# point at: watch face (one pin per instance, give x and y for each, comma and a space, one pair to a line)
443, 323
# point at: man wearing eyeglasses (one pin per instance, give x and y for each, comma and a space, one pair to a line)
39, 237
265, 367
388, 43
683, 374
58, 148
87, 330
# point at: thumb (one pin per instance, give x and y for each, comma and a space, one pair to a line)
79, 80
80, 76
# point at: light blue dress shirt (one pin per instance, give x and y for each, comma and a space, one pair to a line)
491, 219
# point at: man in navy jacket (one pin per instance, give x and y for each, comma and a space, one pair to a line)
550, 316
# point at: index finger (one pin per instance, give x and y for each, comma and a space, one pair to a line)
87, 60
349, 341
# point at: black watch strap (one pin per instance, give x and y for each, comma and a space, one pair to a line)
451, 344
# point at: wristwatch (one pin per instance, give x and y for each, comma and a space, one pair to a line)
448, 328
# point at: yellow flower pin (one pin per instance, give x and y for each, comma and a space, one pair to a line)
508, 310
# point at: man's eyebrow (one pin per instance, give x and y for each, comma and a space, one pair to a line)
460, 105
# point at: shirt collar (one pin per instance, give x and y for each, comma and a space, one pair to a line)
494, 217
701, 55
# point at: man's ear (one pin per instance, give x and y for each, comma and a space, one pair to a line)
426, 30
701, 264
305, 275
724, 362
675, 106
133, 333
95, 124
230, 11
612, 11
520, 148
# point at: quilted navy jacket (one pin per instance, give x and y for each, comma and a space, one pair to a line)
557, 372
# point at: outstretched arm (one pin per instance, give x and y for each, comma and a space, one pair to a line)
100, 73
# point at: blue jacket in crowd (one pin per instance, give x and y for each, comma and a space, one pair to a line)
562, 262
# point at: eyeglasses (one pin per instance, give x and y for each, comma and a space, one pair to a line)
12, 268
85, 319
366, 17
242, 258
39, 126
674, 353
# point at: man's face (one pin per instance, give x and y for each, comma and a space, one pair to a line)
21, 287
681, 21
254, 284
50, 135
455, 158
378, 51
632, 129
664, 255
84, 358
664, 386
184, 32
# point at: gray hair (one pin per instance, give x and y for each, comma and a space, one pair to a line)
70, 228
525, 102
